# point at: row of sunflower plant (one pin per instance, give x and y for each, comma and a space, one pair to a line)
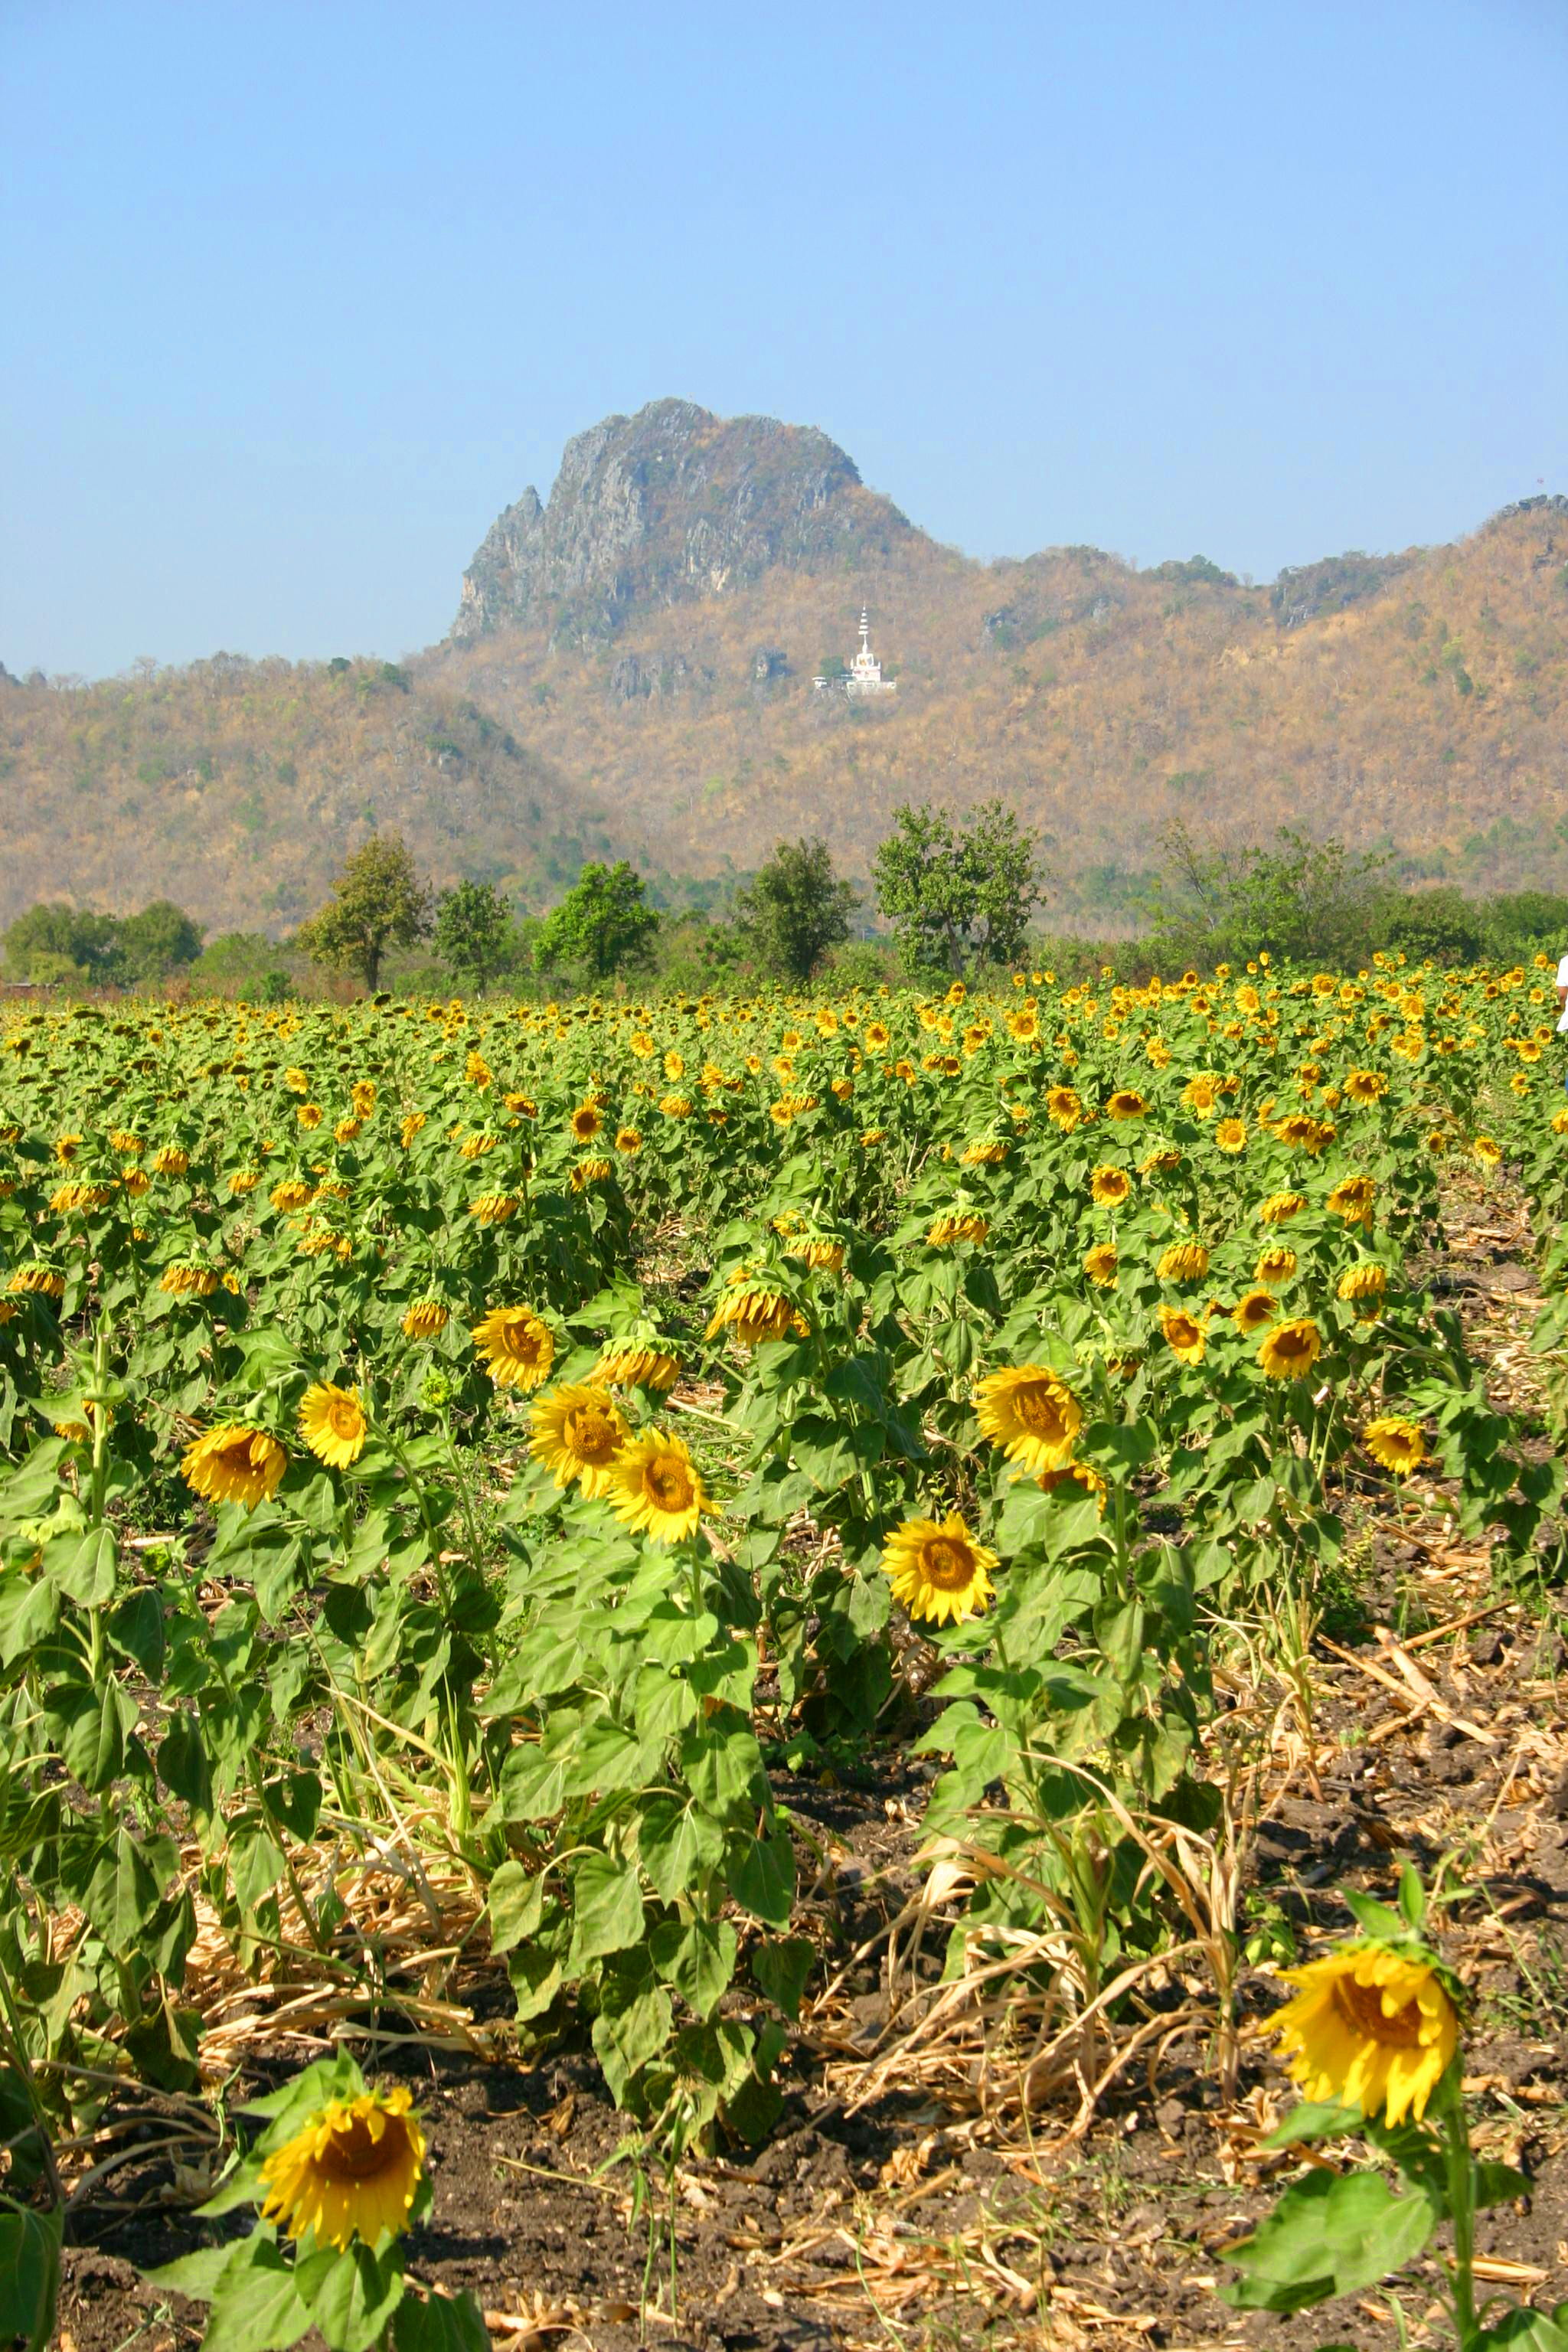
523, 1432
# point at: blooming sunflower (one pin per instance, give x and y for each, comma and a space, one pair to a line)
1126, 1103
1184, 1334
1031, 1414
1108, 1187
332, 1425
518, 1346
353, 2170
1100, 1263
1253, 1310
577, 1433
234, 1464
938, 1570
659, 1488
1064, 1108
1398, 1444
1291, 1350
1369, 2028
585, 1121
1487, 1152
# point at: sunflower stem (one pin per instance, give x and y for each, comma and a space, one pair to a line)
1462, 2207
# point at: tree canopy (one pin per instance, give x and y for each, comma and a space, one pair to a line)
378, 901
603, 923
958, 898
474, 934
795, 909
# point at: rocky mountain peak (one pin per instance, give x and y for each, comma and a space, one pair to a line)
671, 505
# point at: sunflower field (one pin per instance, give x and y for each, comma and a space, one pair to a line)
464, 1466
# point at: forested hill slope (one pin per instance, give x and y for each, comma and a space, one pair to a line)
631, 672
236, 787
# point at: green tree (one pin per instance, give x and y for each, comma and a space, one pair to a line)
474, 932
795, 910
377, 902
957, 899
603, 922
54, 942
158, 940
1306, 900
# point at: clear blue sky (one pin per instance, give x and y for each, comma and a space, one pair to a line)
294, 297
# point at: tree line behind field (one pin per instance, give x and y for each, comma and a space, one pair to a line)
955, 900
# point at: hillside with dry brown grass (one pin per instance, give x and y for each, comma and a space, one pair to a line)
631, 673
1430, 716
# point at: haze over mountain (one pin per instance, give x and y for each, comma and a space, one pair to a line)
631, 670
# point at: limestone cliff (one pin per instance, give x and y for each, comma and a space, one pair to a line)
671, 505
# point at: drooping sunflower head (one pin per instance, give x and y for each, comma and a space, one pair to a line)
938, 1570
1370, 2028
1279, 1207
1396, 1443
1031, 1413
353, 2170
1291, 1350
333, 1423
1351, 1199
426, 1318
1275, 1266
1363, 1286
578, 1432
959, 1226
658, 1489
1072, 1479
234, 1463
636, 1363
1183, 1262
518, 1346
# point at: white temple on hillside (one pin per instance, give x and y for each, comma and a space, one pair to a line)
864, 674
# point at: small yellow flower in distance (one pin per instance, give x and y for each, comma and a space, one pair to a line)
578, 1432
1031, 1414
1100, 1263
351, 2171
332, 1425
658, 1489
1291, 1350
1486, 1150
938, 1570
1185, 1334
518, 1346
426, 1319
1183, 1262
1108, 1187
1398, 1444
1369, 2028
234, 1463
